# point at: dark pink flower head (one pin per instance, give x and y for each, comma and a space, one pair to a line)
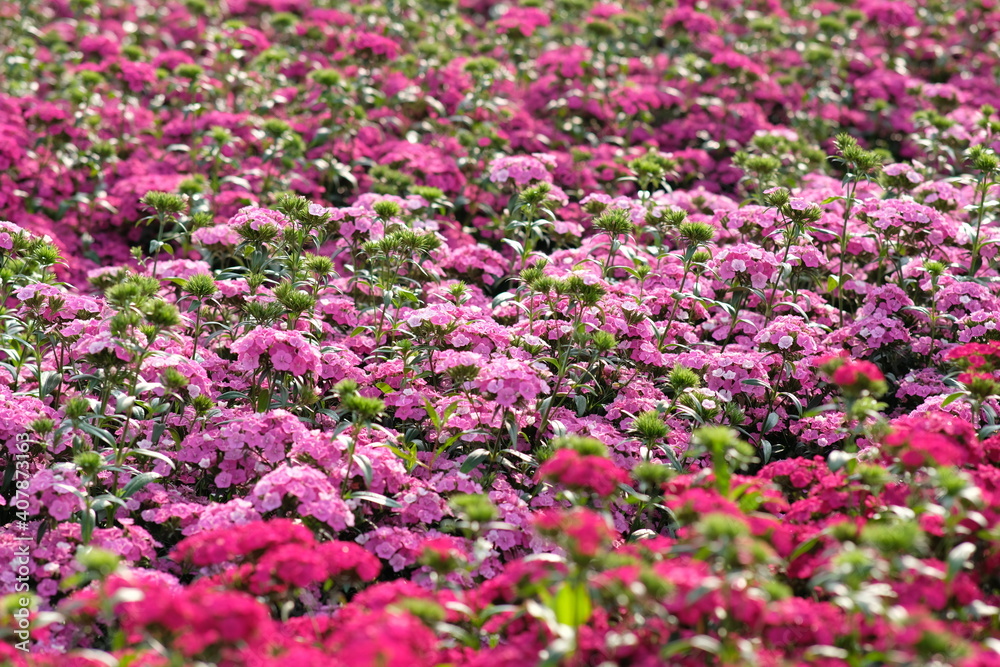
582, 532
254, 218
227, 544
196, 620
573, 470
945, 439
915, 447
443, 553
982, 357
375, 47
298, 565
853, 377
522, 21
854, 372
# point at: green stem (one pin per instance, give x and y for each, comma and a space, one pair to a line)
851, 189
974, 263
350, 457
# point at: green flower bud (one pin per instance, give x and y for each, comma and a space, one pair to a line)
163, 203
171, 378
649, 426
96, 560
76, 407
202, 404
615, 222
582, 445
387, 209
363, 407
42, 426
603, 341
473, 507
89, 463
697, 233
201, 286
682, 377
161, 314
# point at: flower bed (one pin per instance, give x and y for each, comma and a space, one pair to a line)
483, 334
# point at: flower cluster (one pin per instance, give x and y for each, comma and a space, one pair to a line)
475, 333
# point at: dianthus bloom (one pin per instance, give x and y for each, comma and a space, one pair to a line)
587, 473
976, 357
8, 230
285, 350
296, 565
788, 335
197, 618
252, 217
523, 20
372, 46
581, 531
915, 447
522, 169
748, 263
214, 547
854, 377
51, 302
510, 383
443, 553
216, 236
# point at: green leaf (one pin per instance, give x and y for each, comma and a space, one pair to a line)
88, 521
684, 646
124, 404
50, 380
366, 468
819, 410
838, 459
104, 500
518, 248
432, 413
633, 494
149, 453
503, 297
448, 412
805, 547
98, 433
958, 558
158, 429
952, 398
473, 460
139, 482
770, 422
572, 604
376, 498
766, 449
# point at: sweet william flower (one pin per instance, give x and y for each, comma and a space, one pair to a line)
282, 350
853, 377
583, 532
915, 448
595, 474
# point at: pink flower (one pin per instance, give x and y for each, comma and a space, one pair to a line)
284, 350
587, 473
583, 531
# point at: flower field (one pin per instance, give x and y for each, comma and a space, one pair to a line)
453, 332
